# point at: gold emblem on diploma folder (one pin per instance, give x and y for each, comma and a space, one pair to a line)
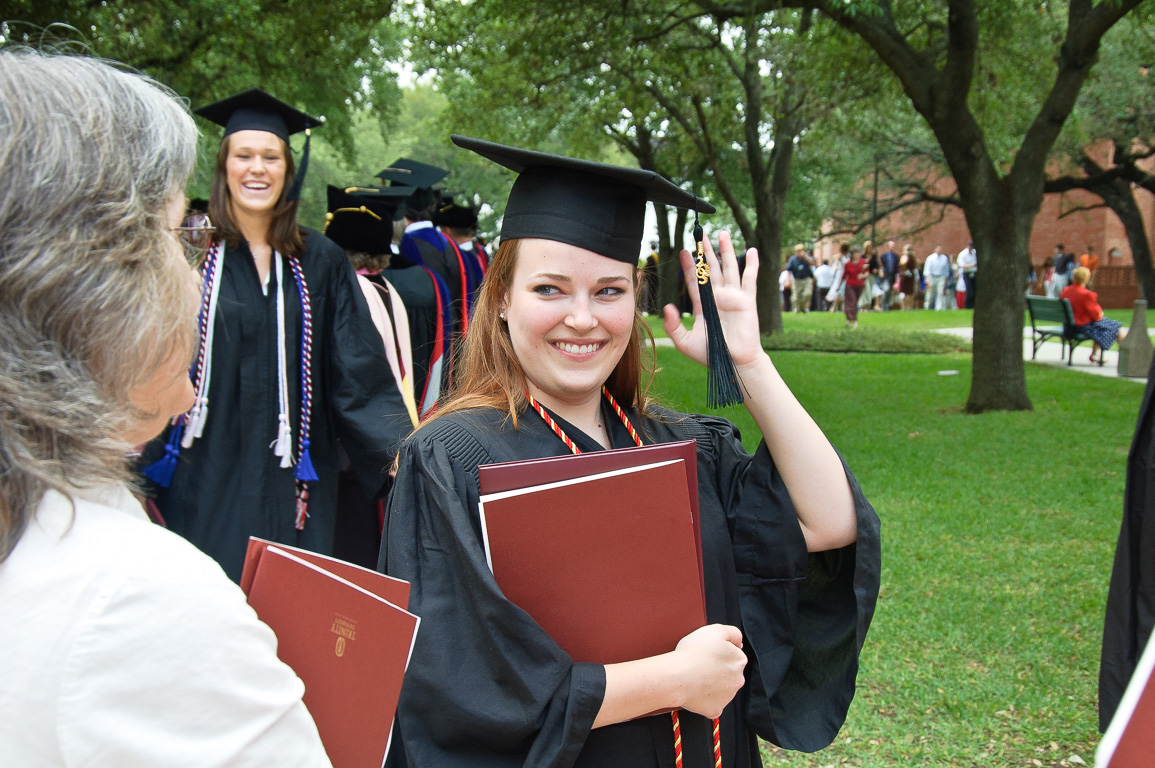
346, 631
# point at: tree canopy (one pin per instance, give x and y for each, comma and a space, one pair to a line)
996, 126
327, 58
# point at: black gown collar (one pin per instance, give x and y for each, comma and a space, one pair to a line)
619, 435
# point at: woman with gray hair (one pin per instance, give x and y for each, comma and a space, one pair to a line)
123, 644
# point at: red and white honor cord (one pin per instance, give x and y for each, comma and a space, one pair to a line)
637, 441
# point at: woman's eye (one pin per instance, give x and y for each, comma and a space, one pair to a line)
611, 292
546, 290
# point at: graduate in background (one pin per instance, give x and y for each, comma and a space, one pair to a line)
556, 341
360, 220
459, 224
289, 360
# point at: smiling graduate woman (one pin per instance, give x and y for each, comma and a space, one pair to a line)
790, 546
289, 360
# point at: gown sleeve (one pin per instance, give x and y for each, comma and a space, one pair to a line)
486, 685
804, 615
370, 414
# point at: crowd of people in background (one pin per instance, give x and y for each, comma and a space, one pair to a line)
878, 282
1058, 271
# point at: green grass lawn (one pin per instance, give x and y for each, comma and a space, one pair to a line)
998, 535
915, 319
910, 331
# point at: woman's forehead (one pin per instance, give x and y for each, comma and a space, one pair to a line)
539, 256
254, 140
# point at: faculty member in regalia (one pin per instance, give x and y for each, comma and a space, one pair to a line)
790, 545
289, 360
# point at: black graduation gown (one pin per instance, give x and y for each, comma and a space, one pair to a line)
229, 484
487, 686
1131, 597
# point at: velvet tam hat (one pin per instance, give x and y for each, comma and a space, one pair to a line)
595, 206
455, 215
362, 222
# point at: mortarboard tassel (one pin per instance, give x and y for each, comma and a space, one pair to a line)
299, 181
162, 471
723, 385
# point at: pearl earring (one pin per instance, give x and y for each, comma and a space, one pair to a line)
501, 315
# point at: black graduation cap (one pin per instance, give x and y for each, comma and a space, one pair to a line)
358, 221
255, 110
454, 215
602, 208
411, 173
596, 206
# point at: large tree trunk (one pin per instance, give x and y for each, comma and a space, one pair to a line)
1002, 238
771, 213
671, 242
768, 241
1119, 198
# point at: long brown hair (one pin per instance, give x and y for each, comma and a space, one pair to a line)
285, 235
487, 373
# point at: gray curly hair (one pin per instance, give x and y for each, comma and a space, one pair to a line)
93, 297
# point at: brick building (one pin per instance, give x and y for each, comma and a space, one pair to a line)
932, 225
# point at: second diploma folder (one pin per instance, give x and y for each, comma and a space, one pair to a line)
345, 631
601, 549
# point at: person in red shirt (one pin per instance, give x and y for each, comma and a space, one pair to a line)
1089, 317
855, 275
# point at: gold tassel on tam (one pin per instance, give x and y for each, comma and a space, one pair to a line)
724, 387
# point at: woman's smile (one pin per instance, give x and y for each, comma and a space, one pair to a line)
570, 314
255, 171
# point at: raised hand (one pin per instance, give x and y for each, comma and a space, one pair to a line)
736, 297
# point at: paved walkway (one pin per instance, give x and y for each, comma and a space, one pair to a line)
1050, 351
1048, 354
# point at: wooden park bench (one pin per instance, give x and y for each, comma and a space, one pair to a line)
1044, 309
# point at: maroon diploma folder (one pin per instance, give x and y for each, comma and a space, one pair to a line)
349, 645
1130, 739
511, 475
394, 590
607, 563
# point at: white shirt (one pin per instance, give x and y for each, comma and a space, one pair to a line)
123, 646
936, 265
823, 275
785, 280
427, 224
967, 259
